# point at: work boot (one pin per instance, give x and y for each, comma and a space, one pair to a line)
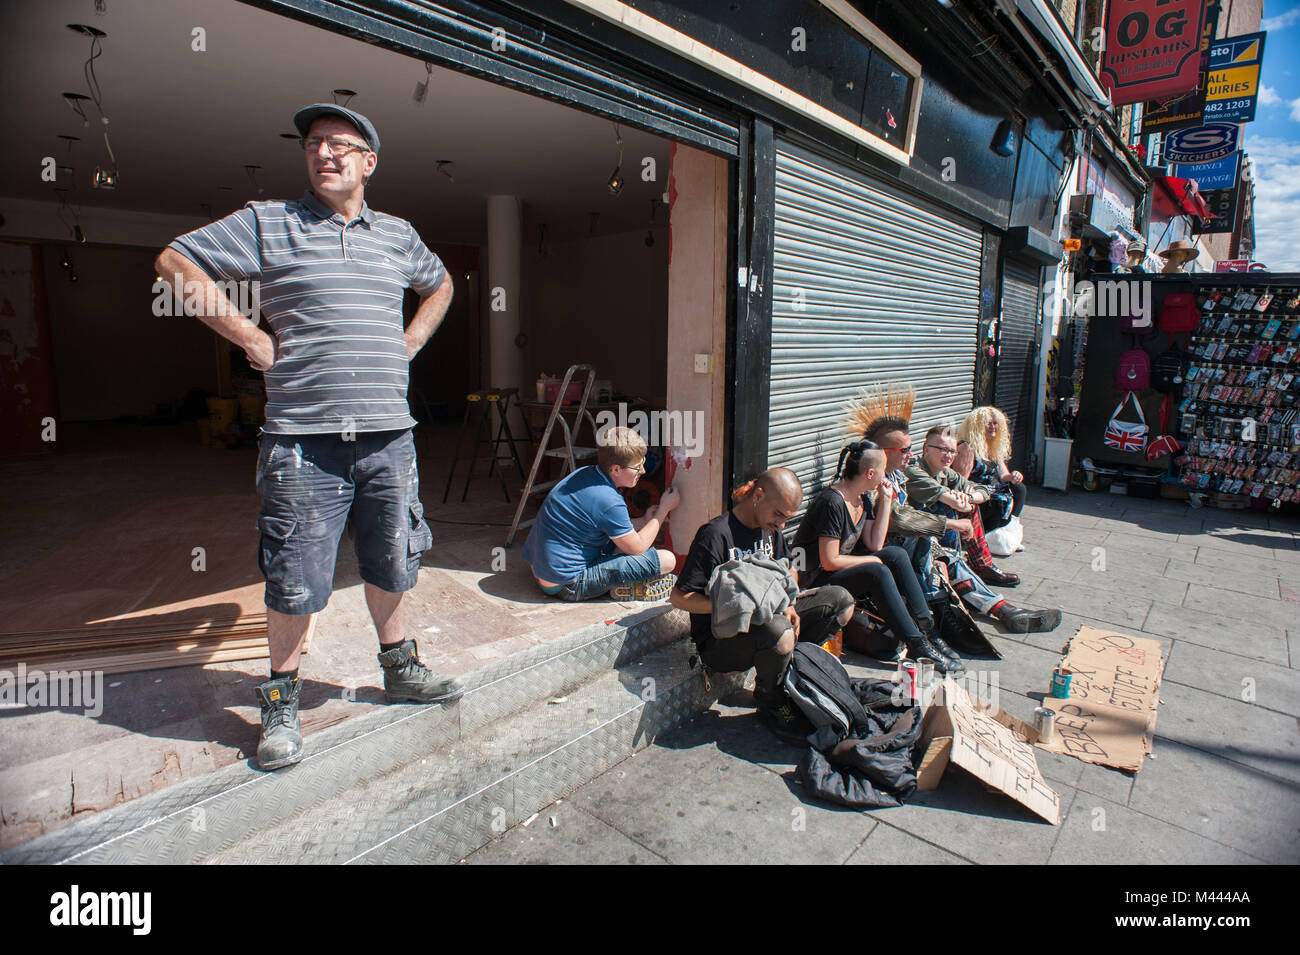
783, 718
1018, 620
996, 578
407, 680
656, 588
923, 646
930, 629
281, 742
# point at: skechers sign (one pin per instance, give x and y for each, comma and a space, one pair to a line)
1201, 143
1152, 49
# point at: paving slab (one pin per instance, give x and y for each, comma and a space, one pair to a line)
1097, 831
1264, 562
1119, 610
983, 826
1230, 729
1125, 580
1226, 578
1230, 603
1269, 685
1240, 541
1142, 554
731, 813
1222, 800
574, 838
1245, 638
889, 846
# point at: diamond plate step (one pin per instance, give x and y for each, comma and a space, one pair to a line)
443, 806
196, 818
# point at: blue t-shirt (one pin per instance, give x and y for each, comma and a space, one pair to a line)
573, 530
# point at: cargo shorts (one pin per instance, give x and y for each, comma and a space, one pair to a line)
310, 484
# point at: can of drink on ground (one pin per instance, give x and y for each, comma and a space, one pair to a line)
1061, 683
1045, 721
907, 672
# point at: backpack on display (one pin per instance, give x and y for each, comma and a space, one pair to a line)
1178, 313
819, 686
1169, 370
1134, 371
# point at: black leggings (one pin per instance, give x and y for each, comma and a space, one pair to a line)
991, 511
892, 586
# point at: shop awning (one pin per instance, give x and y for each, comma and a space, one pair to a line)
1174, 196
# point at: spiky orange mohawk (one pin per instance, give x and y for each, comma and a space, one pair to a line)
877, 401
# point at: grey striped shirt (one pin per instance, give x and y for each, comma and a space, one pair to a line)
332, 291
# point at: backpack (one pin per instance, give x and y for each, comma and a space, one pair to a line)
1168, 371
819, 686
1178, 313
1134, 371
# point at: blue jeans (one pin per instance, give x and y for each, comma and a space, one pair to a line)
610, 570
973, 592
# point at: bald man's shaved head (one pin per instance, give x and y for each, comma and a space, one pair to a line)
783, 483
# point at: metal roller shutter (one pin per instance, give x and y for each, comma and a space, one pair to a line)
1016, 385
870, 285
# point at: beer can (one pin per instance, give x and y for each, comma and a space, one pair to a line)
1045, 722
907, 670
1061, 683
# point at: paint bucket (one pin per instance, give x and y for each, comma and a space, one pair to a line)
835, 644
1061, 683
221, 413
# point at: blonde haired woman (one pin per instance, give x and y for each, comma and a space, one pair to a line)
986, 437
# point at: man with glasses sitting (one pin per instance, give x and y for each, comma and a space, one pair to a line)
583, 543
330, 274
934, 486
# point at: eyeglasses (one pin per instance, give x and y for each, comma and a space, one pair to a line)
338, 147
942, 450
906, 450
639, 466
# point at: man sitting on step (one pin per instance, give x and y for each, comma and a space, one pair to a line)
753, 528
584, 544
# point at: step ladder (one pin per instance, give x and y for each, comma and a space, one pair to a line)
480, 405
568, 453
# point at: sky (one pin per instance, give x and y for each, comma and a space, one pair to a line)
1273, 140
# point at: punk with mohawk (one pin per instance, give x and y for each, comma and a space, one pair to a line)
889, 405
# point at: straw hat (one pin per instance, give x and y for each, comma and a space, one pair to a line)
1182, 248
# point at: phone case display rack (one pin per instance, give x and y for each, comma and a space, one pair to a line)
1241, 392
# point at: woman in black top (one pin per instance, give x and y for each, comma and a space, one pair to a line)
842, 546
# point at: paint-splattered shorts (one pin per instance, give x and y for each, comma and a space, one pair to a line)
310, 483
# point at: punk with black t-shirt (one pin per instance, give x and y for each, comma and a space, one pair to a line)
839, 544
753, 526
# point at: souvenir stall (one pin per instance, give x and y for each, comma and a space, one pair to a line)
1191, 388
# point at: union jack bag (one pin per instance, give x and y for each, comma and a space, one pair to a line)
1126, 435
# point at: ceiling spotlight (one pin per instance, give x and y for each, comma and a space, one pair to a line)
87, 30
251, 169
346, 94
615, 181
442, 165
65, 262
104, 178
72, 276
422, 87
78, 234
74, 101
69, 139
294, 136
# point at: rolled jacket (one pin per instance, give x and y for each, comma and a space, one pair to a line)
749, 591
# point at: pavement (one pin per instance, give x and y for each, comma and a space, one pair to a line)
1220, 590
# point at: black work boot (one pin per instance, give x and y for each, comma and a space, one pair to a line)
281, 742
923, 646
1028, 621
930, 629
407, 680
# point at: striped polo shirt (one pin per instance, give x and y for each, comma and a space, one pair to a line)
332, 292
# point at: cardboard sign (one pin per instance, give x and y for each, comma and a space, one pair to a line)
1233, 86
1153, 49
992, 745
1110, 716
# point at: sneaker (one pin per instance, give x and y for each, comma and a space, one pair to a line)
281, 742
407, 680
656, 588
786, 723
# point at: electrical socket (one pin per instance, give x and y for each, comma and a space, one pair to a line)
703, 363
